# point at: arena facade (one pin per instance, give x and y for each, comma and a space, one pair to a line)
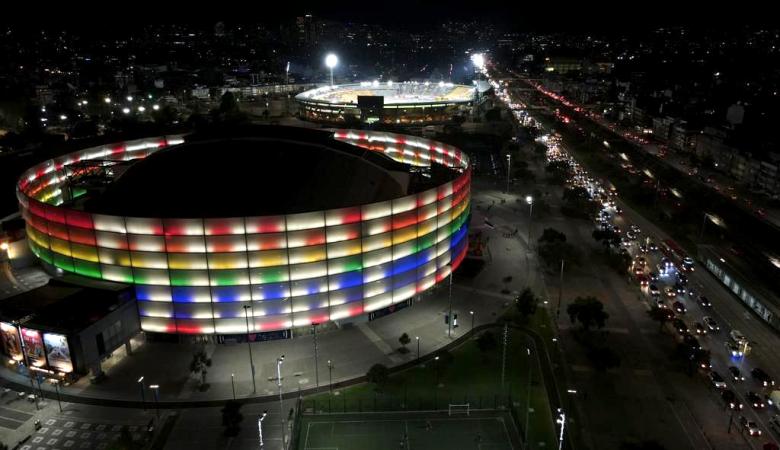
273, 229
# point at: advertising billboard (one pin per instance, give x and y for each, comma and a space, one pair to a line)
12, 346
33, 347
58, 352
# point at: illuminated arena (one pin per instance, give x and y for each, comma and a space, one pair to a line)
406, 103
255, 231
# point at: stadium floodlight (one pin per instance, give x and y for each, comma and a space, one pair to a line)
376, 83
478, 59
331, 60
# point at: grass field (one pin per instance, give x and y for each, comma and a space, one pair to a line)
407, 431
471, 376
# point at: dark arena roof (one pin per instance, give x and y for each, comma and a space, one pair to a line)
252, 171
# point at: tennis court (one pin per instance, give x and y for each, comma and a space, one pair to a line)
482, 430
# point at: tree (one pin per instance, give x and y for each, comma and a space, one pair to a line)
228, 104
660, 315
558, 171
378, 374
404, 340
588, 311
199, 366
577, 203
232, 417
553, 248
526, 303
487, 341
608, 238
493, 115
551, 236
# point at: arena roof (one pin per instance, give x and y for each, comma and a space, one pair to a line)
393, 93
269, 170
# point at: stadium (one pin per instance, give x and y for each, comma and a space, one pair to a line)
406, 103
257, 231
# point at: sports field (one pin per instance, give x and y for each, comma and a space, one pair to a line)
407, 431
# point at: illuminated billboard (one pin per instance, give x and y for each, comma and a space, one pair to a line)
58, 352
12, 346
33, 347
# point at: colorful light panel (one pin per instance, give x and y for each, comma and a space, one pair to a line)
195, 276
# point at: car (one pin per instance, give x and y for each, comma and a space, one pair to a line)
640, 261
631, 236
755, 400
737, 337
616, 229
638, 270
691, 342
679, 308
731, 400
643, 281
653, 276
636, 229
691, 293
671, 293
687, 264
642, 248
699, 328
654, 290
762, 377
717, 380
711, 324
734, 349
625, 242
680, 326
704, 302
736, 374
652, 247
679, 289
749, 427
659, 302
682, 279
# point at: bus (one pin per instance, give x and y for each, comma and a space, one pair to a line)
671, 250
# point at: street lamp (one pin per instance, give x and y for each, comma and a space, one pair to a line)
478, 59
233, 384
562, 421
449, 318
530, 201
260, 426
279, 362
316, 358
472, 321
56, 384
249, 348
508, 167
156, 389
417, 338
330, 375
143, 387
331, 61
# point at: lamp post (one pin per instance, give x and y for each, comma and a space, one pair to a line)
279, 362
560, 294
316, 358
449, 318
143, 388
530, 201
472, 321
562, 421
528, 393
417, 338
249, 349
330, 375
233, 384
331, 60
260, 426
156, 389
508, 169
56, 384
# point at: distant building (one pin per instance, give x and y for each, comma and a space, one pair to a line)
308, 29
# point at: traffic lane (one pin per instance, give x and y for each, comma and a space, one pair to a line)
720, 356
727, 310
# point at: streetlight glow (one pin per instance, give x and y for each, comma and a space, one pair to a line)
478, 59
529, 199
331, 61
